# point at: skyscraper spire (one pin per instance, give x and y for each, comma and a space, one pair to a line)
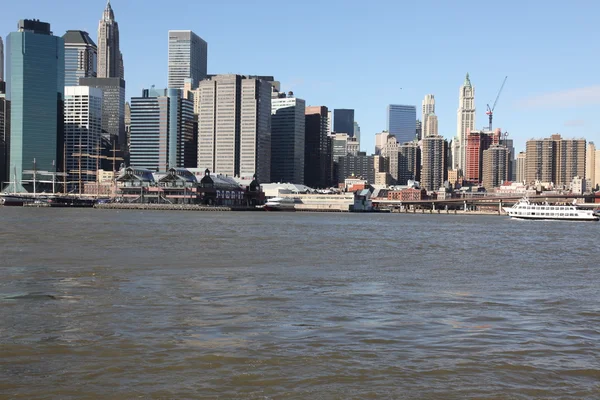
109, 55
467, 81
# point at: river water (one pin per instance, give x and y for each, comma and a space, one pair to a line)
172, 305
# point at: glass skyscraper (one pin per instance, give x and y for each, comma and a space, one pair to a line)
343, 121
35, 80
402, 122
81, 57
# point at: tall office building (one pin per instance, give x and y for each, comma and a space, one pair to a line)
162, 130
381, 139
317, 157
477, 142
234, 126
1, 59
187, 58
434, 171
521, 167
409, 163
512, 168
343, 121
427, 107
391, 151
555, 160
402, 122
110, 59
357, 166
329, 122
495, 166
81, 57
419, 130
465, 122
287, 139
83, 134
357, 131
4, 135
35, 87
431, 125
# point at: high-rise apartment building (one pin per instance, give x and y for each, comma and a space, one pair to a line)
476, 143
188, 54
110, 59
409, 163
81, 57
465, 122
162, 130
287, 139
402, 122
357, 166
4, 135
431, 125
521, 167
434, 172
343, 121
555, 160
495, 166
234, 126
83, 134
317, 157
35, 87
427, 107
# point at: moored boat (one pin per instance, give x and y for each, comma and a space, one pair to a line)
525, 209
281, 204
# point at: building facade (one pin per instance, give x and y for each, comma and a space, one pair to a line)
555, 160
83, 134
81, 57
521, 167
477, 142
380, 141
343, 121
234, 126
35, 87
110, 59
1, 59
465, 122
590, 164
431, 125
402, 122
427, 107
287, 139
162, 134
188, 54
409, 163
357, 166
391, 151
434, 171
317, 157
4, 135
495, 166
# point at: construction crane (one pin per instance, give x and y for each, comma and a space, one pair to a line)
490, 111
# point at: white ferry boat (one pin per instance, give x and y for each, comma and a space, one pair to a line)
281, 204
524, 209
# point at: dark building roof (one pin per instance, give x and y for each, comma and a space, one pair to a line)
35, 26
78, 37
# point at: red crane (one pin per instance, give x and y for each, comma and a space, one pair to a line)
490, 111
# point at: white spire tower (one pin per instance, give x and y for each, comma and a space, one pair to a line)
428, 107
465, 122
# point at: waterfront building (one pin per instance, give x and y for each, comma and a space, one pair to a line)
478, 142
287, 139
380, 141
234, 126
495, 166
110, 59
317, 155
4, 135
521, 167
434, 171
555, 160
427, 107
431, 125
35, 87
343, 121
188, 54
402, 122
83, 133
409, 163
162, 134
81, 57
465, 122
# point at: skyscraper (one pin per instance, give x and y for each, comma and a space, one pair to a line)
402, 122
590, 163
343, 121
81, 57
357, 131
555, 160
495, 166
381, 139
431, 125
83, 133
162, 130
110, 59
409, 163
234, 126
287, 139
465, 122
521, 167
1, 59
187, 58
4, 135
434, 172
476, 143
35, 87
317, 157
427, 107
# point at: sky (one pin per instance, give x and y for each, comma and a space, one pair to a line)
366, 55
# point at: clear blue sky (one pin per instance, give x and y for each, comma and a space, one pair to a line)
367, 54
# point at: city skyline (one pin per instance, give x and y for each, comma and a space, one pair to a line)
550, 86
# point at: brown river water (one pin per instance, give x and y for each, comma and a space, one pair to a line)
176, 305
